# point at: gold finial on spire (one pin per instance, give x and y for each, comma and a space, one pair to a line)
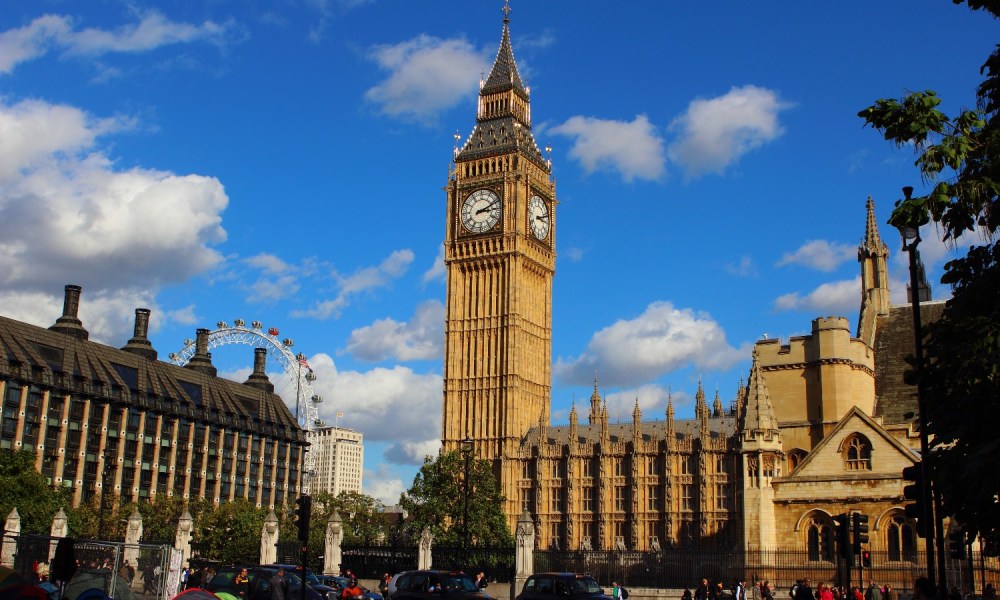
506, 11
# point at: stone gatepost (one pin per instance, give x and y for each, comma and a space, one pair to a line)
182, 541
60, 529
332, 556
133, 535
524, 561
424, 560
11, 529
268, 539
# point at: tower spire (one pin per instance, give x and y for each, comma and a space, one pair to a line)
595, 403
757, 416
872, 254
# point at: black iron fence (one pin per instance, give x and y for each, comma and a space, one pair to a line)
497, 562
676, 568
370, 562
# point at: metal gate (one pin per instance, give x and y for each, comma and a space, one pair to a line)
122, 571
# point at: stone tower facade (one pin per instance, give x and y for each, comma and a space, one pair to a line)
500, 260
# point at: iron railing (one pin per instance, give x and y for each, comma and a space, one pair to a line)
370, 562
677, 568
497, 562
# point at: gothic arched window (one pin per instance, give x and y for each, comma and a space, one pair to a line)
819, 538
795, 458
901, 539
858, 451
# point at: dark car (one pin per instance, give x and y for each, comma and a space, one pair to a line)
435, 585
549, 586
259, 583
328, 592
338, 583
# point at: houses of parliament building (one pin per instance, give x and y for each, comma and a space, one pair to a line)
822, 425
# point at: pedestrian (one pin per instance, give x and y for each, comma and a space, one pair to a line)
874, 592
765, 591
185, 575
824, 592
923, 589
616, 591
891, 594
481, 581
739, 589
702, 593
383, 586
686, 595
754, 590
804, 590
279, 585
989, 592
242, 585
353, 590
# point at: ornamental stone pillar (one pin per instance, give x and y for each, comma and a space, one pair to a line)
182, 541
60, 529
11, 529
268, 539
332, 557
524, 562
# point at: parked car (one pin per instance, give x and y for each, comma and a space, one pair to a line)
259, 583
435, 585
549, 586
311, 580
338, 583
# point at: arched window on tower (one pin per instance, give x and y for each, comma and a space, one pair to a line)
795, 458
858, 453
819, 538
901, 539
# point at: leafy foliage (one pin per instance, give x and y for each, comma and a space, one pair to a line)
960, 156
231, 531
436, 500
23, 487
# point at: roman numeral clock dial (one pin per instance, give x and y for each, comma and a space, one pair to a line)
481, 211
538, 217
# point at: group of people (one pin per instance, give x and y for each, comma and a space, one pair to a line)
803, 590
760, 590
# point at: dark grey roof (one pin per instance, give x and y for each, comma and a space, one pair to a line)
66, 362
501, 136
504, 75
895, 400
651, 430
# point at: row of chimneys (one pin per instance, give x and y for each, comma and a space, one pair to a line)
70, 324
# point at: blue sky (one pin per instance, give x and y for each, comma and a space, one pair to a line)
284, 162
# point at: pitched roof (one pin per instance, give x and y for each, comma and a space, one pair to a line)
896, 400
65, 362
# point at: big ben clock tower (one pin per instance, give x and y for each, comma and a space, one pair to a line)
500, 258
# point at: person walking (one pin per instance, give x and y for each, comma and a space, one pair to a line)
242, 585
383, 586
279, 585
874, 592
616, 591
702, 592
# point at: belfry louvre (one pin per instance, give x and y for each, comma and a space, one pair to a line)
102, 418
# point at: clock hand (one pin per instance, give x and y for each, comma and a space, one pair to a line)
487, 208
541, 218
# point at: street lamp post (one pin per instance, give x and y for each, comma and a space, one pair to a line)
467, 454
911, 237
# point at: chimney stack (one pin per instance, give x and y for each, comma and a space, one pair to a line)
202, 359
258, 378
140, 344
69, 323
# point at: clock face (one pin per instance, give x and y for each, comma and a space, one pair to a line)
481, 211
538, 217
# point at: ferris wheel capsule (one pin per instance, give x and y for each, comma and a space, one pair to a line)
273, 331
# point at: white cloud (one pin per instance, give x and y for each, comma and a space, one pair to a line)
743, 268
362, 280
841, 298
383, 483
422, 338
152, 31
633, 149
437, 271
426, 75
652, 402
393, 405
820, 255
67, 215
661, 340
715, 132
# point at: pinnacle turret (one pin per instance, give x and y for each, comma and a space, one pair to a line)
595, 404
717, 410
757, 419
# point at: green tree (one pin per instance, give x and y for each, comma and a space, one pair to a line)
436, 500
231, 531
23, 487
960, 157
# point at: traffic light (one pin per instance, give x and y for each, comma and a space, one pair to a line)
860, 531
303, 510
866, 559
844, 548
956, 543
915, 493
